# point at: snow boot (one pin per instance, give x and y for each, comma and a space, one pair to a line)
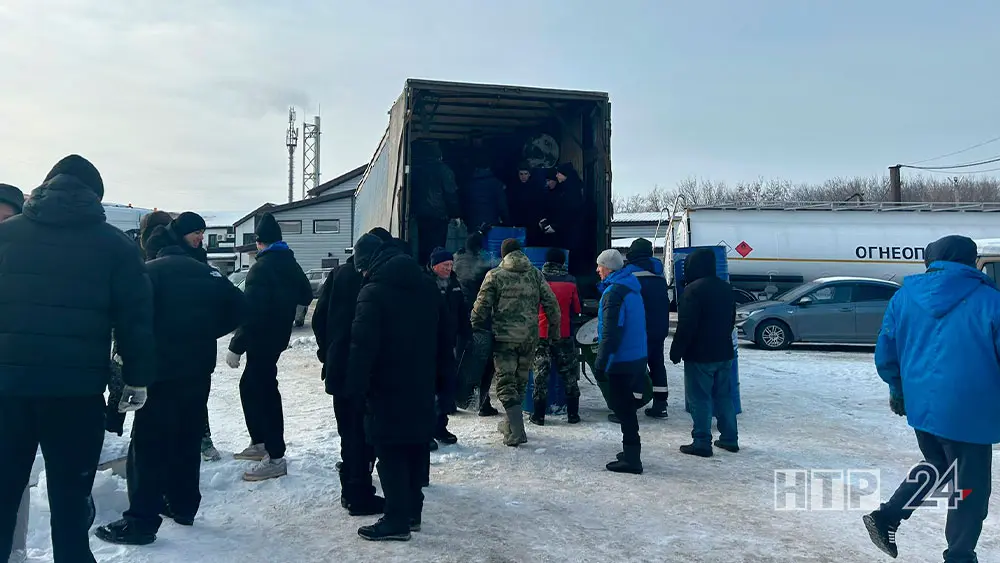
442, 435
515, 422
882, 533
370, 505
253, 452
728, 447
691, 449
208, 451
538, 417
266, 469
433, 445
658, 409
383, 531
573, 410
486, 409
168, 513
628, 461
124, 532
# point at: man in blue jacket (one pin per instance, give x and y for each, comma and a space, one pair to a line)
621, 351
938, 352
656, 300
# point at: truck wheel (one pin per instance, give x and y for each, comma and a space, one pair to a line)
774, 335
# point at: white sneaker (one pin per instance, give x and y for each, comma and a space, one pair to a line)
266, 469
254, 452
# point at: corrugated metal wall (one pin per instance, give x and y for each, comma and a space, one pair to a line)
311, 248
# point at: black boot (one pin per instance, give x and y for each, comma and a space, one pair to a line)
629, 461
658, 409
383, 531
882, 532
486, 409
124, 532
368, 505
734, 448
691, 449
573, 410
433, 446
538, 416
614, 418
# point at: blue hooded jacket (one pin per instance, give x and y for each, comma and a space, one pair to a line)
621, 325
939, 348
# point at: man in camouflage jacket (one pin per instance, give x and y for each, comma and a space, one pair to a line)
510, 296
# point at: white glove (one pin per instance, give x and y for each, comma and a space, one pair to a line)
233, 359
546, 227
133, 399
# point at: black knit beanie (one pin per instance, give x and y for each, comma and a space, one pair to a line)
268, 231
187, 223
508, 246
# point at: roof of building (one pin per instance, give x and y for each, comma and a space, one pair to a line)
651, 217
658, 242
343, 178
272, 208
219, 219
882, 206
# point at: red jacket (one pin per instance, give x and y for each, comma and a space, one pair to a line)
564, 286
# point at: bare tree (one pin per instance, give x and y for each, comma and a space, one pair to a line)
865, 188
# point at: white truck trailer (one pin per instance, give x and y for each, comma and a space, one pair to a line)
774, 247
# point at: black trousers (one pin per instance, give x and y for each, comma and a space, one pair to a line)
164, 455
70, 431
973, 464
485, 382
657, 368
623, 403
262, 403
431, 233
399, 470
355, 451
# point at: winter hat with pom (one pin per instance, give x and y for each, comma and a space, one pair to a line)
268, 231
508, 246
80, 168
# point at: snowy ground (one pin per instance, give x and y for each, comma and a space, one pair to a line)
553, 500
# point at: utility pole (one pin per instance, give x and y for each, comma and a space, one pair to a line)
291, 141
895, 184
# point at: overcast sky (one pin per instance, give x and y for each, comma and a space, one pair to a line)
183, 104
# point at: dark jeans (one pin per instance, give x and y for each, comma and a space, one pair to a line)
707, 389
485, 383
657, 368
431, 233
400, 467
70, 431
164, 455
356, 453
973, 471
262, 403
621, 388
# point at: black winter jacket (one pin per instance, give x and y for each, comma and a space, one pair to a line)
331, 323
563, 209
67, 278
194, 306
397, 344
275, 287
484, 200
434, 193
706, 314
458, 324
655, 298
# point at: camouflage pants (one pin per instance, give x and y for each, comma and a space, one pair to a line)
513, 362
564, 353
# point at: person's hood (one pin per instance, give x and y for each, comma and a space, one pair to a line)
944, 286
64, 200
622, 277
12, 196
516, 261
567, 169
649, 264
390, 266
172, 250
554, 269
277, 247
699, 264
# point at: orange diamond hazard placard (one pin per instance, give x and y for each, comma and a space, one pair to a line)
744, 249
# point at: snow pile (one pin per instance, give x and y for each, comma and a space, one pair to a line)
115, 447
552, 500
303, 342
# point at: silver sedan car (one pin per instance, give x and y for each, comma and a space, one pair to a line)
842, 310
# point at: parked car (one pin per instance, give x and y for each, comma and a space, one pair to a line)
841, 310
316, 278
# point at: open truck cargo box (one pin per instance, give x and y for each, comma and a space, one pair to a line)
470, 120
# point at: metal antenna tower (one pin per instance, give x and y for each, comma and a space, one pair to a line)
291, 141
310, 155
